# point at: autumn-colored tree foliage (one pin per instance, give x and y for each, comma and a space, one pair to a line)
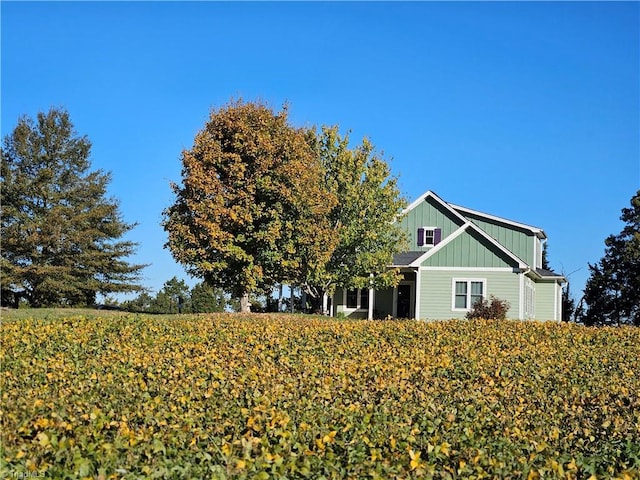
365, 217
61, 234
251, 211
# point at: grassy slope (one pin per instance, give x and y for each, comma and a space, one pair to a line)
111, 395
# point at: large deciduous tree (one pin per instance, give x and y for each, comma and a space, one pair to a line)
252, 210
612, 292
365, 217
60, 233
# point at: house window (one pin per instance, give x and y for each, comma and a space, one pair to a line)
352, 298
429, 236
364, 298
529, 299
357, 298
467, 292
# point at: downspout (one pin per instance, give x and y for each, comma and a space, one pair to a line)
371, 299
524, 272
416, 313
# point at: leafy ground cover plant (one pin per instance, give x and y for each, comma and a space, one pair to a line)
277, 396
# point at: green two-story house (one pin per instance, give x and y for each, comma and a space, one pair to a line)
457, 256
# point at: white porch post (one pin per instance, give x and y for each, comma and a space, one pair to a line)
371, 299
416, 313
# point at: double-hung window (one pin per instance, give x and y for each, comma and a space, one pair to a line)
467, 292
357, 298
429, 236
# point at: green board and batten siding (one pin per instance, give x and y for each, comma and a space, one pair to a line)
428, 214
469, 250
519, 241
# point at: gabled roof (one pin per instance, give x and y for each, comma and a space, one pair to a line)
468, 226
460, 213
468, 211
430, 194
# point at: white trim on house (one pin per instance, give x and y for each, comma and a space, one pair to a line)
529, 299
433, 236
418, 261
555, 302
535, 275
470, 269
412, 298
537, 264
521, 297
509, 253
446, 205
468, 280
359, 307
535, 230
416, 307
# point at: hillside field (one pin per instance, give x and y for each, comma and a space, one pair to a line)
112, 395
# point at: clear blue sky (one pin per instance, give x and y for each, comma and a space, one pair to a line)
528, 111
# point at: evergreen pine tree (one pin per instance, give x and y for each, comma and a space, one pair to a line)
612, 292
60, 233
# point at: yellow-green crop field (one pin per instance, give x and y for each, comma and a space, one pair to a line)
259, 396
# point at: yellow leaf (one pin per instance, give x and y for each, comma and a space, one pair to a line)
329, 437
43, 439
415, 459
445, 448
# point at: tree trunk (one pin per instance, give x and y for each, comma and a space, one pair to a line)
245, 304
316, 303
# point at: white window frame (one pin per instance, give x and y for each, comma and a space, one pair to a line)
468, 281
359, 305
529, 299
432, 234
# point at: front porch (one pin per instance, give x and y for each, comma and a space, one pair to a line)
396, 302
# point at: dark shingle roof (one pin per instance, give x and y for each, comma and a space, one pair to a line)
547, 273
405, 258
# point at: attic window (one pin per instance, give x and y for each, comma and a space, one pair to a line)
429, 236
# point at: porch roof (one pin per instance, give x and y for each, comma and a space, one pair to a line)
405, 259
549, 274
